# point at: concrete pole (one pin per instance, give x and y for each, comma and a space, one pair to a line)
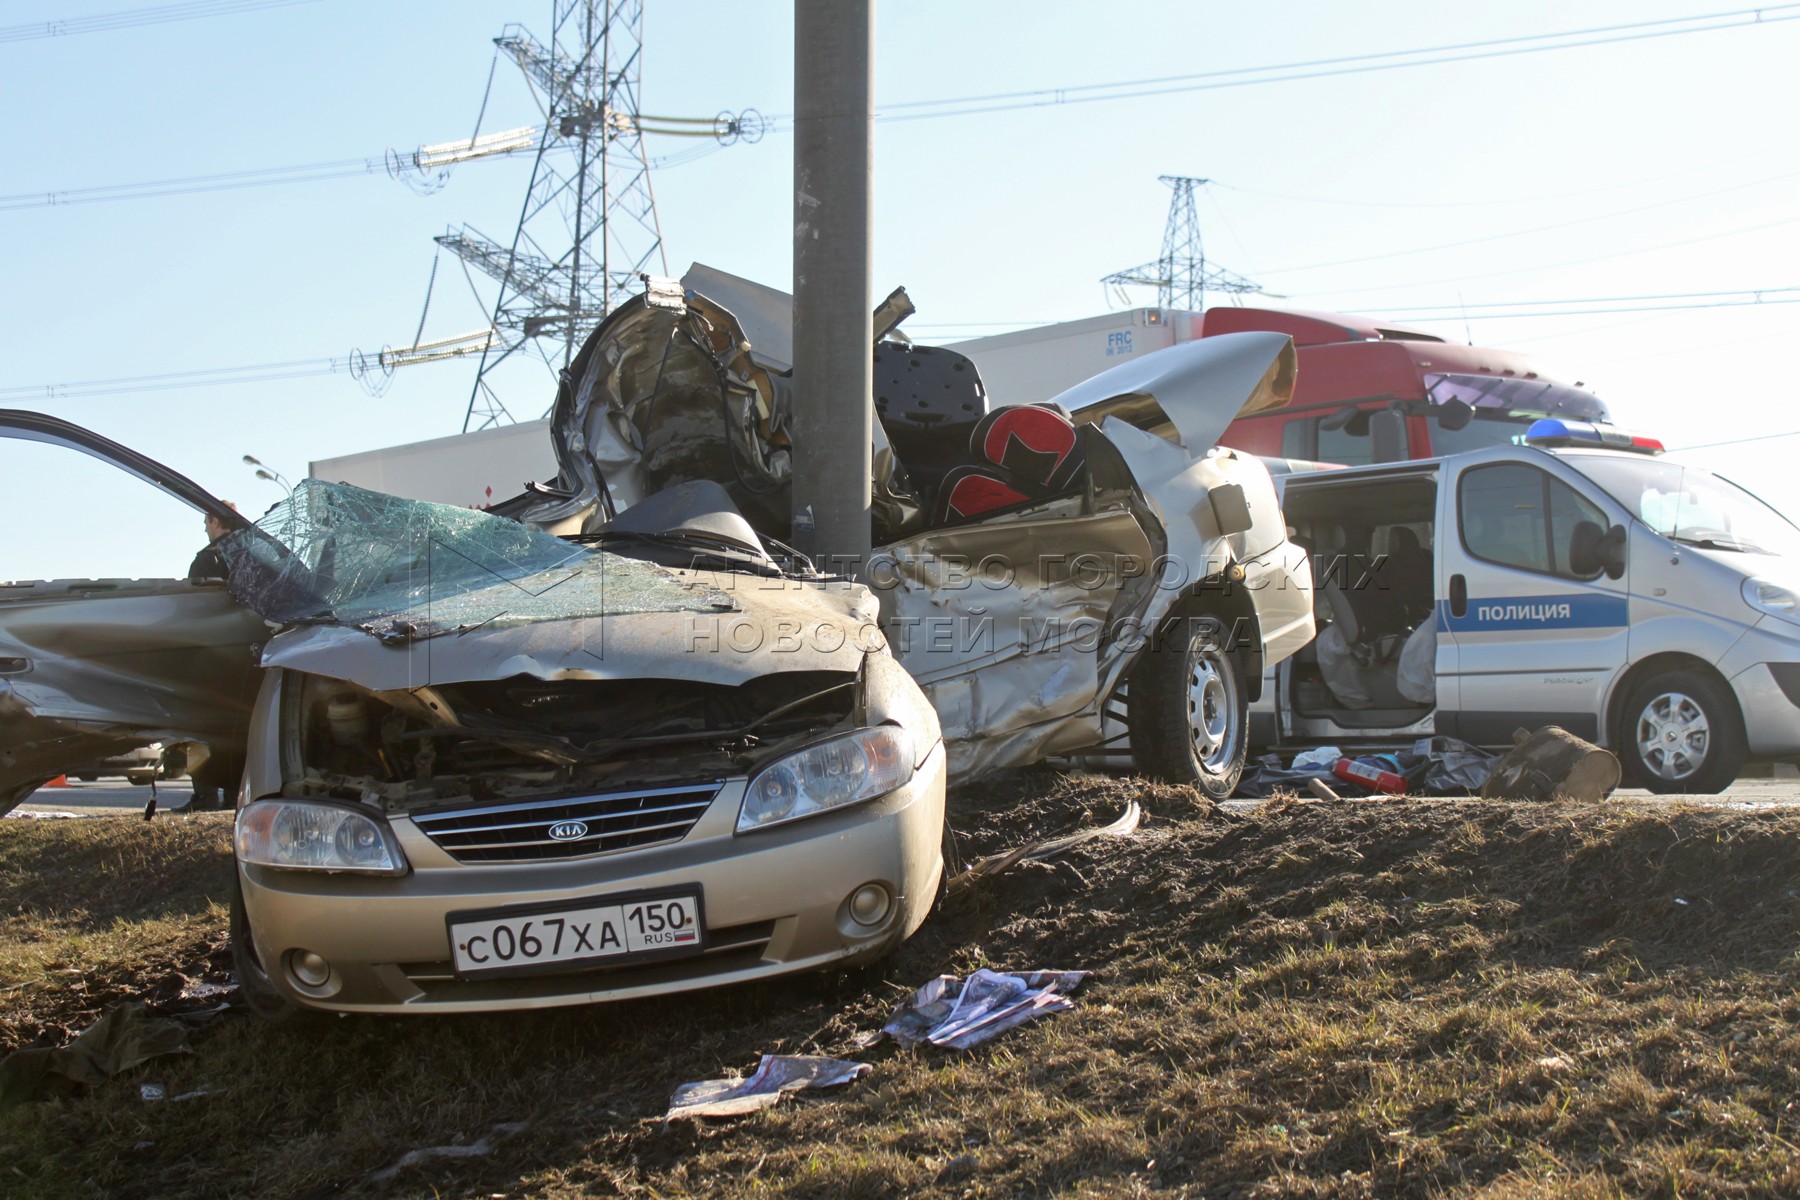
834, 55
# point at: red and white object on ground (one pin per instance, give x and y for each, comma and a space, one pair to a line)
1351, 771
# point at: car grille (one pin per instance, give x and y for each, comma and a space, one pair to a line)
583, 824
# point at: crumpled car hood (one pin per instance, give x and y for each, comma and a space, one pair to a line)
772, 625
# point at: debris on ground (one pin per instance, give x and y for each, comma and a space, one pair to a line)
484, 1145
957, 1014
1042, 851
1552, 764
156, 1093
118, 1041
1434, 766
777, 1075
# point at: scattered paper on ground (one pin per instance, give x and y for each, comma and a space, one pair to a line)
775, 1076
958, 1014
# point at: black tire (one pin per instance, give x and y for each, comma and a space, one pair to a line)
88, 778
255, 987
1188, 707
140, 778
1680, 732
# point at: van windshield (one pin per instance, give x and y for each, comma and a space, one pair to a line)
1692, 506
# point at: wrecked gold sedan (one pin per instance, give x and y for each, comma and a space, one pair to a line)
489, 767
493, 768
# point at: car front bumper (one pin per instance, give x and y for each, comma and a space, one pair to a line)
775, 903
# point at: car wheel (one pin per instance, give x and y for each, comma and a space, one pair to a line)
140, 778
88, 778
1188, 707
258, 991
1681, 732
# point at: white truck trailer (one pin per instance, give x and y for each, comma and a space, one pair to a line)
1029, 365
470, 469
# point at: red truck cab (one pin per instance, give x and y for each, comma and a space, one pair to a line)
1370, 392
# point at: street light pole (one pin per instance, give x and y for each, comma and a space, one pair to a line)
834, 54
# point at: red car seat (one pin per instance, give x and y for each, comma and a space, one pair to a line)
1022, 453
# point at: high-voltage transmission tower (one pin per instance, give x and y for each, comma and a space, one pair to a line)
1181, 275
588, 227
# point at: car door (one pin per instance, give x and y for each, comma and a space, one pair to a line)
91, 668
1531, 640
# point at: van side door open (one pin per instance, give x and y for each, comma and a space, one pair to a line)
1537, 628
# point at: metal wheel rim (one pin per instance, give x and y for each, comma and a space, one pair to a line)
1673, 736
1212, 708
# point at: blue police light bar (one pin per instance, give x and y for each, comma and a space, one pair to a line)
1551, 432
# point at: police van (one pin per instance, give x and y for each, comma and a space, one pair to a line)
1579, 579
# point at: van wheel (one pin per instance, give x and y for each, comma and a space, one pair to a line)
1188, 707
1682, 733
255, 987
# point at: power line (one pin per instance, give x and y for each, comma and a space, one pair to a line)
1761, 437
1494, 202
134, 17
1358, 64
960, 106
228, 181
1413, 314
341, 168
1564, 262
1657, 302
178, 380
307, 367
1496, 237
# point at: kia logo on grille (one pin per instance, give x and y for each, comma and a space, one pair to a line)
565, 831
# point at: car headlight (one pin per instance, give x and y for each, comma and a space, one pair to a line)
1773, 598
828, 775
319, 837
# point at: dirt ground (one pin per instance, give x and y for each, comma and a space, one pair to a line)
1391, 998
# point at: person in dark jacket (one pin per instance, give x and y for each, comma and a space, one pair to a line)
209, 565
214, 776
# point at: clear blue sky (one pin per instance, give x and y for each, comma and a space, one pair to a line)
1637, 168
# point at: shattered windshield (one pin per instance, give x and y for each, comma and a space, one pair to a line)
405, 569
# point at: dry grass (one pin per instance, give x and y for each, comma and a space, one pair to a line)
1412, 998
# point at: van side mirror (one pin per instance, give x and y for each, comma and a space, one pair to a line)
1387, 436
1593, 551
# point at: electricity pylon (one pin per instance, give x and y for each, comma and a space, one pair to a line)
588, 226
1181, 275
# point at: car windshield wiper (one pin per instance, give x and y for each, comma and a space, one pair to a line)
1712, 543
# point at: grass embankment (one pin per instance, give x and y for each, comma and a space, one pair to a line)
1409, 998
